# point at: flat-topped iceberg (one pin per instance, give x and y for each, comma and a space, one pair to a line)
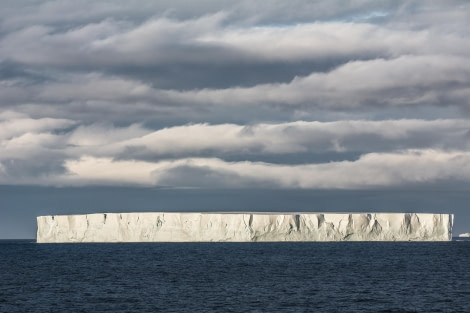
244, 227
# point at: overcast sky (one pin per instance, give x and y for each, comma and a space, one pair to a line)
227, 105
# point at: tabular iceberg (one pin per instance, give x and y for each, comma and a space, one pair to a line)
244, 227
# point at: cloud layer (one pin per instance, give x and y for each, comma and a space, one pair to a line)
298, 94
365, 153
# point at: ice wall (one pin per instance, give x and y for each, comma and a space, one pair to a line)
191, 227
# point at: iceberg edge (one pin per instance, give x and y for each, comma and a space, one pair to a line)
243, 227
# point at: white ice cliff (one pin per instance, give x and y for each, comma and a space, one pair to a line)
242, 227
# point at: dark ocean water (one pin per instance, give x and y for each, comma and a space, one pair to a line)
235, 277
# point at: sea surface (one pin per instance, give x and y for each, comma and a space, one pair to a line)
235, 277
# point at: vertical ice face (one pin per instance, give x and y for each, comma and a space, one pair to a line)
241, 227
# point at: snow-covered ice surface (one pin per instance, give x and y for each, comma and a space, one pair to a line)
244, 227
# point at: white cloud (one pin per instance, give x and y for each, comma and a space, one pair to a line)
407, 80
200, 40
298, 137
94, 93
89, 170
404, 82
20, 134
95, 87
97, 135
391, 152
370, 171
13, 124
